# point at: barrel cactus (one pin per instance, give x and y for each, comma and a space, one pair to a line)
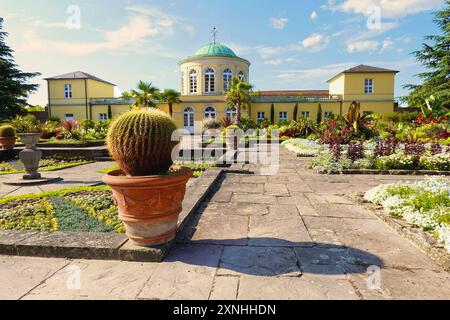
7, 131
141, 142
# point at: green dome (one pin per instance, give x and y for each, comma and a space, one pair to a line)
215, 50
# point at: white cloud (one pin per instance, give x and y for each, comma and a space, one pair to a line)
313, 15
278, 23
151, 24
391, 9
312, 77
274, 62
315, 42
362, 46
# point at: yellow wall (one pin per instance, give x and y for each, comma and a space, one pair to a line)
383, 86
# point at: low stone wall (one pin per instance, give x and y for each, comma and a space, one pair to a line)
110, 246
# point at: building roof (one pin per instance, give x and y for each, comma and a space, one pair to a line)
78, 75
313, 93
362, 68
214, 50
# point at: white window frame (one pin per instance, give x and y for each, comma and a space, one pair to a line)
188, 117
68, 91
282, 115
210, 80
231, 113
368, 86
210, 113
193, 83
260, 115
305, 114
103, 116
327, 114
227, 78
69, 116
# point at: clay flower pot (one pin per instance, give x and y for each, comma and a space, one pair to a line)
149, 206
8, 143
30, 156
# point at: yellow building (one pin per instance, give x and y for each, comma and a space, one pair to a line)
203, 83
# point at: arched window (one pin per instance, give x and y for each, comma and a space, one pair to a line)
193, 81
241, 75
227, 77
231, 113
188, 115
209, 80
210, 113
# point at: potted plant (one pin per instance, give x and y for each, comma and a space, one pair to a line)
7, 137
211, 126
232, 137
148, 189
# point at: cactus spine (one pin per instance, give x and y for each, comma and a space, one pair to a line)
7, 131
141, 142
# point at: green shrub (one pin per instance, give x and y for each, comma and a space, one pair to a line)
7, 131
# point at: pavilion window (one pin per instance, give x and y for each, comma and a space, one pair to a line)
241, 76
227, 77
210, 113
283, 115
209, 81
193, 81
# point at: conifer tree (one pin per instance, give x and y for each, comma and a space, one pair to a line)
14, 86
435, 56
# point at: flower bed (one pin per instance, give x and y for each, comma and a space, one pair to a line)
86, 209
304, 147
52, 163
425, 205
383, 156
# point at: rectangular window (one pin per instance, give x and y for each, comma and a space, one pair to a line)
103, 116
283, 115
69, 116
260, 115
327, 114
305, 114
68, 91
368, 86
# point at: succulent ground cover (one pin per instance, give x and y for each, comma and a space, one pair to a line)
424, 204
86, 209
55, 162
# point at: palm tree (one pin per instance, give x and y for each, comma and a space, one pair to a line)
170, 97
144, 95
238, 95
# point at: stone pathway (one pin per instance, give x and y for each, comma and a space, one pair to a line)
288, 236
84, 175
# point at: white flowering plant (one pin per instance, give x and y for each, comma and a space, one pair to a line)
424, 204
304, 147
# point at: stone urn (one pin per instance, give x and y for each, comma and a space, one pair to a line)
30, 156
149, 206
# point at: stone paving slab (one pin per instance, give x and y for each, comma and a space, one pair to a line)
261, 261
19, 275
289, 288
97, 280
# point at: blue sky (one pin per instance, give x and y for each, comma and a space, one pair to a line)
295, 44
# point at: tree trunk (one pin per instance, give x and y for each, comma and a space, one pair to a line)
170, 109
238, 117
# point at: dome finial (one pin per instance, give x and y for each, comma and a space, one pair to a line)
214, 33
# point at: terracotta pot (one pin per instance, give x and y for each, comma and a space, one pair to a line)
149, 206
8, 143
